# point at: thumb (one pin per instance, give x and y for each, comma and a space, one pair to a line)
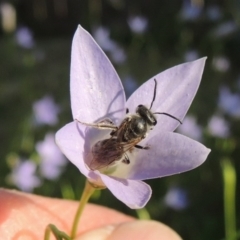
136, 230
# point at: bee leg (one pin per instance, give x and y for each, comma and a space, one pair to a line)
105, 124
126, 159
127, 110
112, 133
107, 121
141, 147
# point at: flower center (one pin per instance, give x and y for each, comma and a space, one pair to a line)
106, 154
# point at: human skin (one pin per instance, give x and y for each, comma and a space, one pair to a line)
25, 216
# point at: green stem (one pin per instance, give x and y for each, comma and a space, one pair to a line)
229, 178
87, 192
59, 235
47, 233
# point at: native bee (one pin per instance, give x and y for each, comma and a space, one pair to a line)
125, 137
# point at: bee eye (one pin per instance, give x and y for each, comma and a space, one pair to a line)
139, 106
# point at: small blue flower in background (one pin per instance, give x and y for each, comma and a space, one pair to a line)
176, 198
229, 102
24, 175
218, 127
190, 128
116, 52
24, 37
221, 64
190, 11
46, 111
191, 55
52, 160
214, 13
138, 24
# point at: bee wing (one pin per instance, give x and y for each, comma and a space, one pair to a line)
128, 146
122, 129
108, 151
105, 153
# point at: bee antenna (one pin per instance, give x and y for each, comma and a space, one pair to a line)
154, 93
169, 115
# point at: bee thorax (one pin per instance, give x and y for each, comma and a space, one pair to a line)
137, 128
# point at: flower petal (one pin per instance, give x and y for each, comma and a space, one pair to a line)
169, 153
135, 194
96, 90
70, 140
176, 88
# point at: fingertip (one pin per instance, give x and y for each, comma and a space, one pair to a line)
139, 230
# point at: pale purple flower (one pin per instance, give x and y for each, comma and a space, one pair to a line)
225, 29
214, 13
46, 111
118, 55
97, 94
52, 160
138, 24
218, 127
24, 176
190, 128
24, 37
221, 64
190, 11
191, 55
176, 198
229, 102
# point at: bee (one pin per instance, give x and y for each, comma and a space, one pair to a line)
125, 137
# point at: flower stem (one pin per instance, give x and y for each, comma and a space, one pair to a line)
87, 192
229, 179
59, 235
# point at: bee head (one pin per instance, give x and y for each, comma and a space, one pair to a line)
147, 115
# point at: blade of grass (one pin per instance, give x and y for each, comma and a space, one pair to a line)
229, 181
